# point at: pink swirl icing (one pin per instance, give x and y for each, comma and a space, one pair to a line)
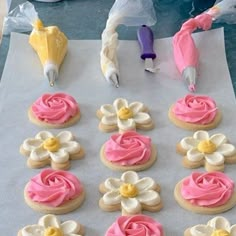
55, 108
208, 189
54, 188
129, 148
139, 225
195, 109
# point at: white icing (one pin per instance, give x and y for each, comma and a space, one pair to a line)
215, 158
201, 135
201, 230
131, 205
68, 146
218, 139
188, 143
194, 155
69, 228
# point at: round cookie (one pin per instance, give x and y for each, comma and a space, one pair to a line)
130, 194
123, 116
57, 110
51, 225
54, 192
195, 112
128, 151
206, 193
47, 149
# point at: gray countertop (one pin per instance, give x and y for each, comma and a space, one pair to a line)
85, 19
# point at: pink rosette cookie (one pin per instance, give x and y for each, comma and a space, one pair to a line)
141, 225
195, 112
57, 110
128, 151
55, 192
206, 193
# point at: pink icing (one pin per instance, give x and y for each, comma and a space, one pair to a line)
137, 225
129, 148
185, 51
195, 109
54, 188
207, 189
55, 108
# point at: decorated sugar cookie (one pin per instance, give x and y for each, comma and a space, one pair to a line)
51, 225
206, 193
47, 149
204, 150
128, 151
54, 192
130, 194
218, 226
124, 116
195, 112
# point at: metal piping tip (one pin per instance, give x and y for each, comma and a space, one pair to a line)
115, 80
189, 75
51, 77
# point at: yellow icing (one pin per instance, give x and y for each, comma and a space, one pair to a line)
51, 144
128, 190
220, 232
125, 113
52, 231
206, 146
49, 42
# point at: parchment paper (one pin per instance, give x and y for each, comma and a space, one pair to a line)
80, 76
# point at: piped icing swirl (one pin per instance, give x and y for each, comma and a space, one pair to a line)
129, 148
55, 108
54, 188
195, 109
140, 225
207, 189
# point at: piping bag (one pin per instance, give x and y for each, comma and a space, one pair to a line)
186, 54
129, 13
49, 42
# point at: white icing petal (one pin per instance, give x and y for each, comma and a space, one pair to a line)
107, 110
215, 158
145, 183
70, 227
136, 107
201, 230
112, 197
119, 103
131, 205
142, 118
219, 222
233, 230
30, 144
65, 136
60, 156
39, 154
71, 147
194, 155
226, 149
49, 220
130, 177
126, 124
201, 135
189, 143
218, 139
33, 230
109, 120
113, 183
43, 135
149, 197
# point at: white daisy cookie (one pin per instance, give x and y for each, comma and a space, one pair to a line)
124, 116
47, 149
201, 149
51, 225
130, 194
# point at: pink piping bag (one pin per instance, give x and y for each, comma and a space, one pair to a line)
185, 52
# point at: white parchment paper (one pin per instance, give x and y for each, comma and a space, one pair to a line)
80, 76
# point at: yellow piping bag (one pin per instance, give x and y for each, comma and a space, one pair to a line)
51, 46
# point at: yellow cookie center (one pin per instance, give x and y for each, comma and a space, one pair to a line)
52, 231
128, 190
51, 144
125, 113
206, 146
220, 232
